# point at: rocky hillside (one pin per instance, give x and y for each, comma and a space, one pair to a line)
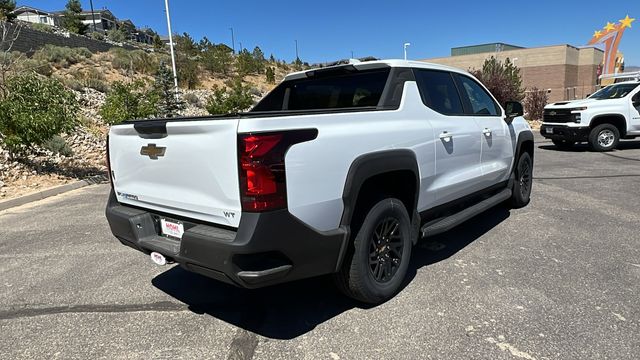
90, 78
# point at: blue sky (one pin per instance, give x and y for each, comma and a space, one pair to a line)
329, 30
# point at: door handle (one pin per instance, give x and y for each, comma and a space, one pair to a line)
446, 136
486, 132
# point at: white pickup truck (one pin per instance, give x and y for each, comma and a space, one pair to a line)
338, 170
602, 119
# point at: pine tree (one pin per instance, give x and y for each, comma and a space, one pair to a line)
168, 105
271, 75
258, 60
157, 42
72, 20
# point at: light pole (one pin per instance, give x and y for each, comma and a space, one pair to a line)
352, 54
406, 45
297, 57
233, 41
173, 55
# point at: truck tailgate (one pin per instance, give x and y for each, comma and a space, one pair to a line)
191, 170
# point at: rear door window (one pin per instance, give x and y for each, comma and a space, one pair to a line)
439, 92
339, 90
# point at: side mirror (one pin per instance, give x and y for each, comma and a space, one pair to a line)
512, 110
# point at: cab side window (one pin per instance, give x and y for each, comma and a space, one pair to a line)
479, 99
636, 101
438, 91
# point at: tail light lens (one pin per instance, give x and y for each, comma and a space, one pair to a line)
262, 169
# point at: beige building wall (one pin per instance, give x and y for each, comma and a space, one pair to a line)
568, 72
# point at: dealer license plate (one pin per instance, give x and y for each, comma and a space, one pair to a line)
549, 130
172, 228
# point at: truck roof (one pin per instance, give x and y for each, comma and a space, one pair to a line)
364, 65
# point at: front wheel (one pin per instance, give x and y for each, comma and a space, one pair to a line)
374, 269
604, 137
521, 191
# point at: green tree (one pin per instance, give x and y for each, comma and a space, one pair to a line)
6, 10
169, 104
502, 79
128, 101
188, 72
71, 19
270, 75
217, 59
297, 64
232, 100
34, 110
244, 62
185, 45
272, 59
258, 60
117, 35
158, 44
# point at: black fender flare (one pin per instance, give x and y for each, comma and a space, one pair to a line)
523, 137
372, 164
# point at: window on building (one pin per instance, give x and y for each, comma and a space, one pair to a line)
44, 20
438, 91
479, 99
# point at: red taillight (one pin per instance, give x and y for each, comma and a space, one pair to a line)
262, 170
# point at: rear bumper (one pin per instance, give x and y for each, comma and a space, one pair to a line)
564, 132
266, 249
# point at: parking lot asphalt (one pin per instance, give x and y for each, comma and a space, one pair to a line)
559, 279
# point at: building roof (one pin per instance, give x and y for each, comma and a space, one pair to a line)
24, 8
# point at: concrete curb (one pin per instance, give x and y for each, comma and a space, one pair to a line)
40, 195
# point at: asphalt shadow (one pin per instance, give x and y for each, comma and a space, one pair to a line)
290, 310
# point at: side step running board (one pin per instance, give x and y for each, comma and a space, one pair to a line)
449, 222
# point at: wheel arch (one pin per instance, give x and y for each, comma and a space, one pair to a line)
617, 120
390, 168
523, 144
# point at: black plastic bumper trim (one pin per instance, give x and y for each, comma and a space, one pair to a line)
266, 249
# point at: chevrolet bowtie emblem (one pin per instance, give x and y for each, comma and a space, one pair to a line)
153, 151
553, 113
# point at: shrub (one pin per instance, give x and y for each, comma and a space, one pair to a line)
38, 66
534, 103
34, 110
502, 79
97, 36
117, 35
234, 99
61, 56
192, 99
133, 60
128, 101
42, 27
58, 145
188, 72
217, 59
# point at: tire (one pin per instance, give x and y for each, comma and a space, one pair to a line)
373, 272
604, 137
563, 144
521, 191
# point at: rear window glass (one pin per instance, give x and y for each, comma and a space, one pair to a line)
327, 91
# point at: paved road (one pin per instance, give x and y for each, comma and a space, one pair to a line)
559, 279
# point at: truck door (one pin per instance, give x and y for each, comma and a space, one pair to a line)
496, 143
456, 137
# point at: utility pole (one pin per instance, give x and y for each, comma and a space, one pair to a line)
93, 16
233, 41
240, 50
173, 55
297, 57
352, 54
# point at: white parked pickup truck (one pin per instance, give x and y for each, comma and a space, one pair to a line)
602, 119
338, 170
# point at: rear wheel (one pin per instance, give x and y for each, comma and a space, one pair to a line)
604, 137
563, 144
375, 267
523, 182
